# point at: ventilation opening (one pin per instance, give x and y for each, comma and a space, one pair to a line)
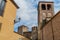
43, 7
48, 7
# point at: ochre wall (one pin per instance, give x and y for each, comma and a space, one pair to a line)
7, 28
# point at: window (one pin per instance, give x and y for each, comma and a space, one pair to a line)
43, 7
2, 5
48, 7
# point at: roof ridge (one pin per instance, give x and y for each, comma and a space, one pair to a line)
21, 35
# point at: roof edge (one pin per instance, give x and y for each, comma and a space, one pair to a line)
46, 2
14, 4
22, 35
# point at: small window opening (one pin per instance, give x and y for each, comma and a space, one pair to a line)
48, 7
43, 7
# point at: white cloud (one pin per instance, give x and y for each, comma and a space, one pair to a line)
22, 12
56, 5
28, 11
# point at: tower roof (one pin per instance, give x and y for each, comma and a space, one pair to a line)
46, 2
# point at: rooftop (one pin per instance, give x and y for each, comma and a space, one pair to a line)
23, 26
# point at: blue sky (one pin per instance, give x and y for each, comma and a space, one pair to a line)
28, 12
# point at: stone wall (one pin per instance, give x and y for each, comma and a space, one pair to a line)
51, 31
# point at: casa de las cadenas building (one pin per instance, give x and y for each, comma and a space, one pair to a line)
8, 10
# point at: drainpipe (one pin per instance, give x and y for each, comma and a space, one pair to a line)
52, 30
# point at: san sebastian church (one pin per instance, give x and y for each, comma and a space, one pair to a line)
48, 23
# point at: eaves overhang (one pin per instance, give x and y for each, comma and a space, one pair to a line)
14, 4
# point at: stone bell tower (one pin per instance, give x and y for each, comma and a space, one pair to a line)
45, 13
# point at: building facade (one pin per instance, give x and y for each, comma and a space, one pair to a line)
48, 23
22, 29
34, 33
51, 31
28, 34
7, 16
45, 13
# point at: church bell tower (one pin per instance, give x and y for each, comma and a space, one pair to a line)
45, 13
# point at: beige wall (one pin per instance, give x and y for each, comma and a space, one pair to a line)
7, 28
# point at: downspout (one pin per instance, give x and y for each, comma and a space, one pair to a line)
52, 30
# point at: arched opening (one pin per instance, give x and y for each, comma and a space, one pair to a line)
43, 7
48, 6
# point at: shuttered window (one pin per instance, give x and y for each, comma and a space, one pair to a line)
2, 5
